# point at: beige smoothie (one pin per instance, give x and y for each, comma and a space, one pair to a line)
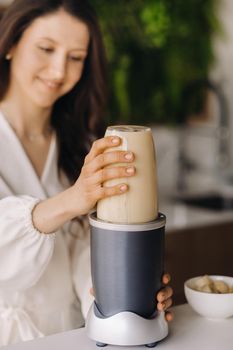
140, 203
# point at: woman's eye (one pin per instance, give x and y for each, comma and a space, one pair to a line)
76, 59
46, 49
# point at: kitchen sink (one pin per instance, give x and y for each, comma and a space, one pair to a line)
212, 201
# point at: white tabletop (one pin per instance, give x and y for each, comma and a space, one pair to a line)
187, 331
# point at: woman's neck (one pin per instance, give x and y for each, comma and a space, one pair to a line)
26, 119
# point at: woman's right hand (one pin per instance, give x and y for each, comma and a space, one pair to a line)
49, 215
97, 169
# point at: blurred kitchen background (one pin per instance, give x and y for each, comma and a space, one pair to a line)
170, 67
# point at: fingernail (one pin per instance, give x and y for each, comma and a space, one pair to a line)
128, 156
169, 316
130, 170
123, 188
115, 140
168, 277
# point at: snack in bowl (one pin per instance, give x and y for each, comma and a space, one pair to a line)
210, 296
208, 285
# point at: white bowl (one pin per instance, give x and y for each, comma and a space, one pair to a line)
210, 305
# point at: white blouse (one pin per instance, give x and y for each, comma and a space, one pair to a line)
44, 279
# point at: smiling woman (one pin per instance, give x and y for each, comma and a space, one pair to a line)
52, 94
48, 61
47, 69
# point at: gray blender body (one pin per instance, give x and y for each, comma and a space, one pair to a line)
127, 266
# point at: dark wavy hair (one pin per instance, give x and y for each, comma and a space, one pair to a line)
76, 116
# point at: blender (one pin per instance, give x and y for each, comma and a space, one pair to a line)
127, 251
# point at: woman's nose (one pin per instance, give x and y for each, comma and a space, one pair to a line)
57, 69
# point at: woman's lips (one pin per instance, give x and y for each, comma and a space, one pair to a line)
51, 85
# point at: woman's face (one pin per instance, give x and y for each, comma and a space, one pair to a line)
49, 58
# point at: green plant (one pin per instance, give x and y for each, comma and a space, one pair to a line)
155, 48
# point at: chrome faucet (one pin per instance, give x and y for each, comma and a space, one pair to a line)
222, 133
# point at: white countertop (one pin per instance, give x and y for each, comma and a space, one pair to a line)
188, 331
182, 216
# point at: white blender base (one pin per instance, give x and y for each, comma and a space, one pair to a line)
126, 329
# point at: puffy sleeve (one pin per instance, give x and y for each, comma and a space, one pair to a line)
81, 267
24, 251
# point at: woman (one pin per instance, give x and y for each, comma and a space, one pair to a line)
52, 93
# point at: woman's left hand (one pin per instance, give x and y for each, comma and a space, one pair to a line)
164, 298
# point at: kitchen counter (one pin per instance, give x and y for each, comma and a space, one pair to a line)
187, 331
182, 216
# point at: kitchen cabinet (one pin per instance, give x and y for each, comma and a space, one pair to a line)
194, 251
